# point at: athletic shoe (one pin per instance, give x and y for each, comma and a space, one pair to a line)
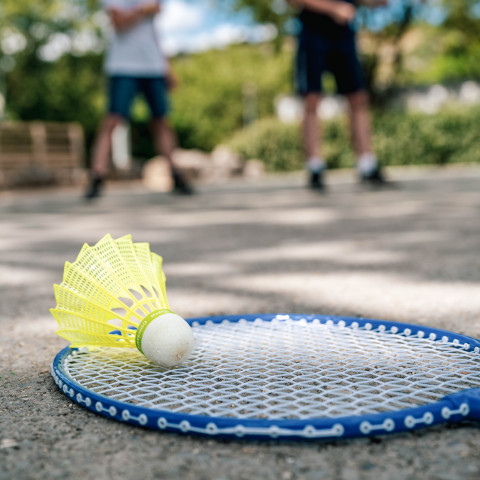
374, 178
316, 181
180, 185
95, 188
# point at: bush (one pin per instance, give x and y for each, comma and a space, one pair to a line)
400, 139
210, 103
277, 144
447, 137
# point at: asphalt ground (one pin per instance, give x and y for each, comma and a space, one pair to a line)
406, 254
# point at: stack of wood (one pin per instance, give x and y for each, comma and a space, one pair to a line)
40, 153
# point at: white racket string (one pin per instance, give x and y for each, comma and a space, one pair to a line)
286, 369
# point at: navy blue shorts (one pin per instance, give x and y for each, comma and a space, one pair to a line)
123, 89
317, 54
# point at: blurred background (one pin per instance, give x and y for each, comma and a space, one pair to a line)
234, 62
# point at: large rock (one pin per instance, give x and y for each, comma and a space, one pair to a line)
253, 168
156, 171
225, 163
156, 175
221, 164
192, 163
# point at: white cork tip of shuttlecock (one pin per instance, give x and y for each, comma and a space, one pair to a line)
166, 339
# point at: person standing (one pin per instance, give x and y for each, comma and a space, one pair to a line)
135, 63
327, 42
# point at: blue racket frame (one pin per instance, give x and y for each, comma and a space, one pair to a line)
452, 408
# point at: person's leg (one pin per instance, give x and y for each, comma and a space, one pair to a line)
165, 144
100, 162
103, 145
360, 123
164, 138
361, 131
346, 68
121, 92
310, 63
311, 126
311, 133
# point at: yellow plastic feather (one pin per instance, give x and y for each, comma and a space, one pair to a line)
109, 289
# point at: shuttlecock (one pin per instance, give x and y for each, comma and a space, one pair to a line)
114, 295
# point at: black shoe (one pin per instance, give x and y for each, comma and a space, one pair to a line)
375, 178
316, 181
180, 185
95, 188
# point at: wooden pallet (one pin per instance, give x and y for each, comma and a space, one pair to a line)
40, 152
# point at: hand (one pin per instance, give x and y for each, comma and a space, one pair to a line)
171, 80
150, 8
375, 3
343, 13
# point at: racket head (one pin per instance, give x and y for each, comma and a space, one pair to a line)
286, 376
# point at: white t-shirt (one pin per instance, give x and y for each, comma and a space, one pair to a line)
136, 50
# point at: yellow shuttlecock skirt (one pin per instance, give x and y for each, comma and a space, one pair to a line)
108, 291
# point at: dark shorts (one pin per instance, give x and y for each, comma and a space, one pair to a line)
123, 89
317, 54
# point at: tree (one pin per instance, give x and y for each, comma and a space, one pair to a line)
387, 26
48, 73
461, 46
275, 12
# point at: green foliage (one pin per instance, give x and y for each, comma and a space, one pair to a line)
400, 139
449, 52
447, 137
276, 144
69, 89
67, 92
217, 88
218, 92
222, 90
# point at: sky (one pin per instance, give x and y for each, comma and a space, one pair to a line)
188, 25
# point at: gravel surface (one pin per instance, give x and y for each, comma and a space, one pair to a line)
406, 254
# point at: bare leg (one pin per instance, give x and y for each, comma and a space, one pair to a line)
101, 155
311, 126
103, 145
361, 130
312, 143
165, 144
360, 123
164, 140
